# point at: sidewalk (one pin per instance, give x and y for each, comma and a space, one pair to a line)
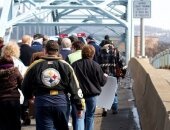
126, 119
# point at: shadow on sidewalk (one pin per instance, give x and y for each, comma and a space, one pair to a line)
124, 120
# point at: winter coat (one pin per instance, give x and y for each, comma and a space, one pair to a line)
90, 76
10, 81
26, 54
51, 74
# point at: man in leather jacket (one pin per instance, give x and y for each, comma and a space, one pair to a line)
50, 79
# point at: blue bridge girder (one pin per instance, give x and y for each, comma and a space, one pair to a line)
59, 13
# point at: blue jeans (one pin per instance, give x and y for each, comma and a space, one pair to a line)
90, 111
77, 122
68, 111
51, 118
115, 103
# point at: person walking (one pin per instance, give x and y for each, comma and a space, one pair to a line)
78, 123
10, 81
91, 78
108, 62
91, 41
37, 55
26, 50
50, 79
76, 52
12, 49
105, 41
65, 47
37, 43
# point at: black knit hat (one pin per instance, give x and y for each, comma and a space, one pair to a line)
106, 37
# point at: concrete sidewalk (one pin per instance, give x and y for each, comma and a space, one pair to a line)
126, 119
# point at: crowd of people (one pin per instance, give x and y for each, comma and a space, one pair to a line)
57, 80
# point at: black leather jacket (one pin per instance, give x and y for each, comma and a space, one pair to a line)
65, 80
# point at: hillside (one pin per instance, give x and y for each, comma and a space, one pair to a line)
162, 34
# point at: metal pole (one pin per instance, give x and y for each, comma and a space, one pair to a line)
127, 46
142, 36
132, 32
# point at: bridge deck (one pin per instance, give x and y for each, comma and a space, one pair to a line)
126, 119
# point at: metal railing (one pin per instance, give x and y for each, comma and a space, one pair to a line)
162, 60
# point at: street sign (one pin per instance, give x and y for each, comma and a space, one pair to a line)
141, 9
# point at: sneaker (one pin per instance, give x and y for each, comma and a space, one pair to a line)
26, 122
69, 124
104, 114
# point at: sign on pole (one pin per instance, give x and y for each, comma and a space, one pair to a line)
142, 9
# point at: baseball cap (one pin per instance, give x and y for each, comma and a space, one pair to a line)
52, 45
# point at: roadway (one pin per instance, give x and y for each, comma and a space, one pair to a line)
126, 119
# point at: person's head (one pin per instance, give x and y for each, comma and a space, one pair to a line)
38, 36
73, 38
11, 49
52, 47
106, 37
88, 52
77, 45
26, 39
90, 38
66, 43
105, 42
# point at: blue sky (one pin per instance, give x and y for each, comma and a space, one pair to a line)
160, 14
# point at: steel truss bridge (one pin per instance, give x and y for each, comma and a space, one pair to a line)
52, 17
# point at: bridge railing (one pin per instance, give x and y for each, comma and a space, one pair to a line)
162, 60
151, 88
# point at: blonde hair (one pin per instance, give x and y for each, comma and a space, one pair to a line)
26, 39
11, 49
